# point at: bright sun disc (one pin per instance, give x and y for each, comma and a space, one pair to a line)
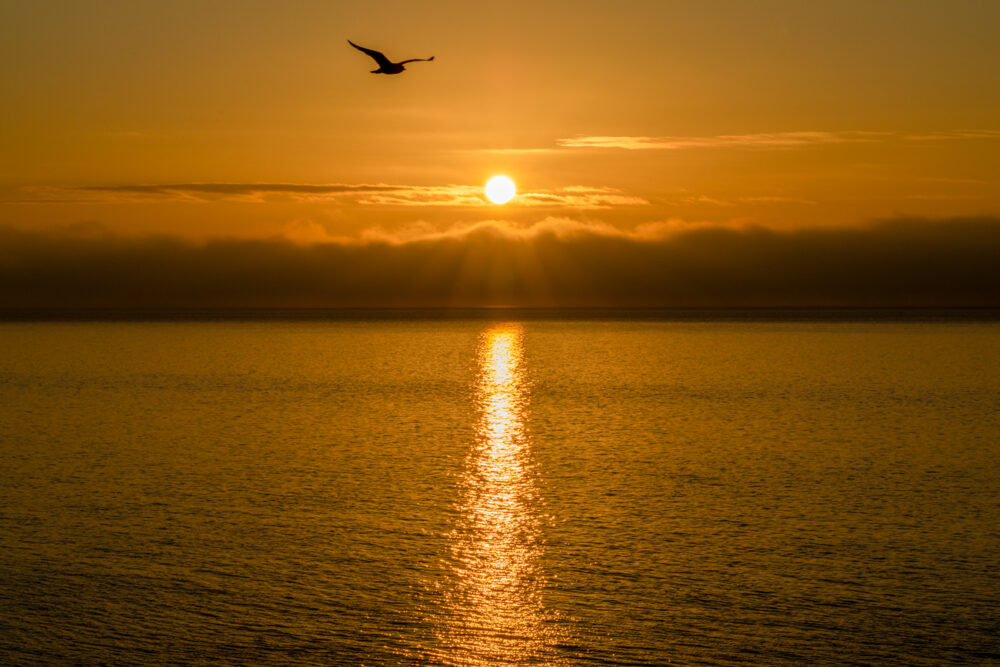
500, 190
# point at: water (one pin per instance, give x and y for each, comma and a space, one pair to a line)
499, 492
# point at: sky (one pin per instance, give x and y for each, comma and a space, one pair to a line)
665, 153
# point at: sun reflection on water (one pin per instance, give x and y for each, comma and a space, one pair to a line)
494, 610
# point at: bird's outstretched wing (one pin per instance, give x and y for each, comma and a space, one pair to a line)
377, 55
416, 60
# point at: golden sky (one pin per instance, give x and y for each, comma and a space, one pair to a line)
256, 120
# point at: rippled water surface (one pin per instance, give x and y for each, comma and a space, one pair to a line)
521, 492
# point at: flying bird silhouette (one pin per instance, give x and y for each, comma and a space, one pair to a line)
386, 66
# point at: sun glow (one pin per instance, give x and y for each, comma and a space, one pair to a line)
500, 190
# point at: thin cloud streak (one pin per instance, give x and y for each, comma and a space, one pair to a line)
576, 196
241, 191
512, 151
770, 140
242, 188
556, 262
775, 140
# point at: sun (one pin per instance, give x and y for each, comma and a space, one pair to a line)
500, 190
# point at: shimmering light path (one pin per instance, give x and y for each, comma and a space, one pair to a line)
494, 609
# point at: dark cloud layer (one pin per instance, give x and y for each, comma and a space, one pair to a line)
903, 262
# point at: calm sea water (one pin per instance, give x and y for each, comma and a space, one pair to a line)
499, 492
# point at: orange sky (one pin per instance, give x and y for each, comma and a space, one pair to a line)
202, 120
774, 113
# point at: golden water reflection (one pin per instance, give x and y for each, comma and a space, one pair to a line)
495, 613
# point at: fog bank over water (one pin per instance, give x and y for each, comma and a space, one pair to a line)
899, 262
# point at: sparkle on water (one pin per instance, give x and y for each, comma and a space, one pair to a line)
494, 612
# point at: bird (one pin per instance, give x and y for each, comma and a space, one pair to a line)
385, 66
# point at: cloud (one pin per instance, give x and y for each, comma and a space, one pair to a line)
242, 189
954, 134
774, 140
778, 200
258, 192
363, 194
515, 151
902, 262
579, 197
245, 191
582, 197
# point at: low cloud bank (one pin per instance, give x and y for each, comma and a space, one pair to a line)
897, 263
